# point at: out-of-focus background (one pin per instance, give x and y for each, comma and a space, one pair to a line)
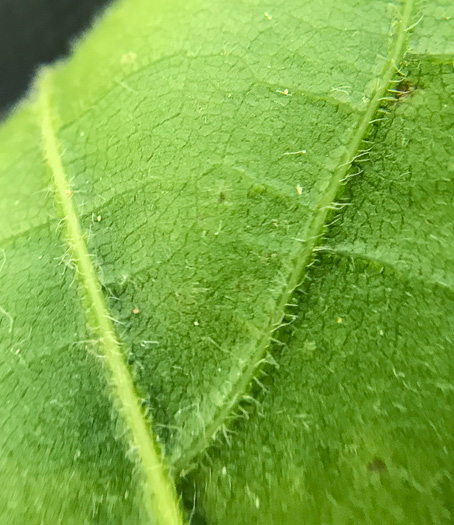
33, 32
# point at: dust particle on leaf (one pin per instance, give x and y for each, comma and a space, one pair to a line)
284, 92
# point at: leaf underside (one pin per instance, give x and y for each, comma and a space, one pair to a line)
206, 160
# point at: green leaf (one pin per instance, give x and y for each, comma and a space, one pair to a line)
353, 423
227, 264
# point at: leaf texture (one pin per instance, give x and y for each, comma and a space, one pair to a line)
172, 197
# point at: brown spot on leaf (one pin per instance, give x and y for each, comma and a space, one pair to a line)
377, 465
136, 311
404, 89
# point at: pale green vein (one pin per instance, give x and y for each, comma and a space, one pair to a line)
159, 492
423, 280
303, 256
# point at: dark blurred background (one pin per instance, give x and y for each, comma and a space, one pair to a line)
33, 32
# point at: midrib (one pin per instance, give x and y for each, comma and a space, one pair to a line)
304, 257
159, 492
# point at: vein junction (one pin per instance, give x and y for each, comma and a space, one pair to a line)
159, 492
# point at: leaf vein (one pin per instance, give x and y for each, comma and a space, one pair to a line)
182, 459
159, 492
401, 272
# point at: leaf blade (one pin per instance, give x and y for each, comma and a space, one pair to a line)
194, 193
355, 423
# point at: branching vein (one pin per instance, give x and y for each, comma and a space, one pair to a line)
303, 256
159, 492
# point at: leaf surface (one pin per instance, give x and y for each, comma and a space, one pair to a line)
164, 193
354, 422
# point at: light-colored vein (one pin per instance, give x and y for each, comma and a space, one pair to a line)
159, 492
424, 280
303, 255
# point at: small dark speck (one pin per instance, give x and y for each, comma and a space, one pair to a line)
404, 89
221, 196
377, 465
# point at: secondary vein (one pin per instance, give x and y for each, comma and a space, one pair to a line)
159, 492
423, 279
304, 256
